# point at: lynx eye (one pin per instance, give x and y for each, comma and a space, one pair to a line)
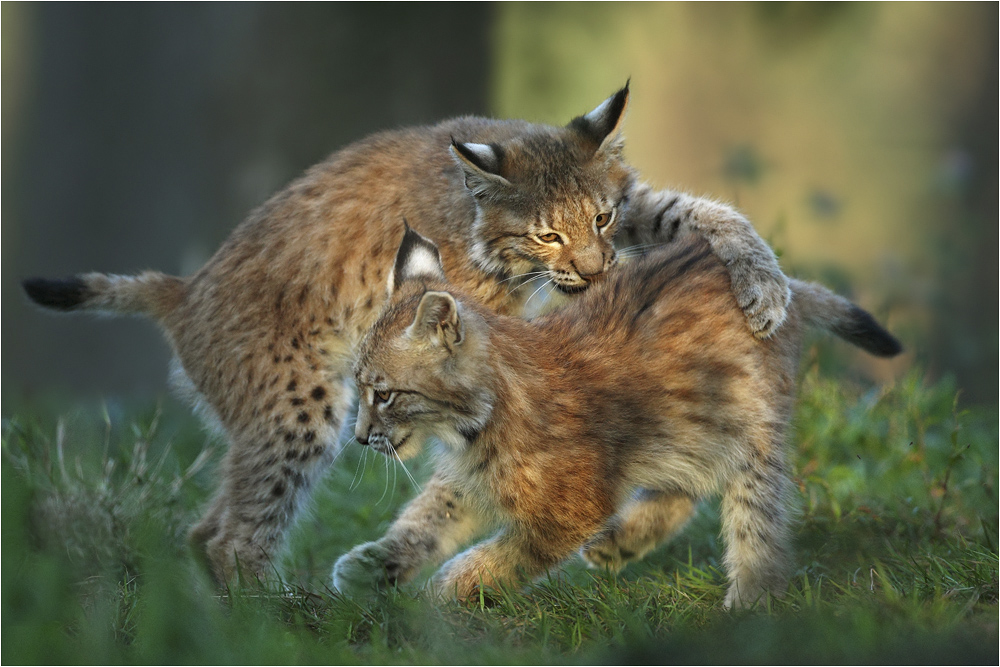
550, 238
602, 220
382, 396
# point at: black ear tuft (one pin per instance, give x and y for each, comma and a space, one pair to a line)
417, 257
63, 294
603, 123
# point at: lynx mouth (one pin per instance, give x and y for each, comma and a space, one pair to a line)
386, 448
572, 289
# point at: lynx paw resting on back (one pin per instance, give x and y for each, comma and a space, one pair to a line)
595, 427
264, 333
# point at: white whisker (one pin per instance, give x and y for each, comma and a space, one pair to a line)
396, 454
386, 489
531, 276
526, 301
363, 459
522, 275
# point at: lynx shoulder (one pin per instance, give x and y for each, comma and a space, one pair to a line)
595, 428
264, 334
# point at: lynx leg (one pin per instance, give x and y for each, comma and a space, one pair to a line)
755, 525
267, 474
430, 529
650, 518
513, 556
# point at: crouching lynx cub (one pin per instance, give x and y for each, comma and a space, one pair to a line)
596, 427
264, 334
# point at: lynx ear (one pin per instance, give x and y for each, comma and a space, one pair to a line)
603, 125
482, 164
417, 257
438, 320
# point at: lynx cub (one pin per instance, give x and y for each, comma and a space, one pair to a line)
596, 427
264, 334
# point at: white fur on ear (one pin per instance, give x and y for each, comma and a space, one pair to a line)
485, 157
604, 123
596, 117
416, 258
482, 164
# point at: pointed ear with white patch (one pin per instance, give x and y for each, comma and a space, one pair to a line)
417, 258
603, 125
482, 165
437, 320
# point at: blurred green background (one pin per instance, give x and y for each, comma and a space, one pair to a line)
860, 138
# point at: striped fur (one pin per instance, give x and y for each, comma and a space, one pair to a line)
597, 427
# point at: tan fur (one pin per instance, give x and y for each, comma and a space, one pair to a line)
595, 427
265, 332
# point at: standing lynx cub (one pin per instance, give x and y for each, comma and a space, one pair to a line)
264, 334
597, 426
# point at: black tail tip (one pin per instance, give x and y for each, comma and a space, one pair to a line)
869, 335
61, 294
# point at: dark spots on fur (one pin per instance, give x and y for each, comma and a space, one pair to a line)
291, 455
348, 313
297, 401
328, 413
368, 304
294, 477
626, 554
303, 417
295, 343
287, 358
278, 489
270, 404
361, 275
289, 436
470, 434
270, 347
329, 321
277, 358
318, 393
292, 385
314, 332
309, 436
450, 505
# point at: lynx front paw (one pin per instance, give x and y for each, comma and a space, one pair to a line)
763, 295
604, 553
365, 569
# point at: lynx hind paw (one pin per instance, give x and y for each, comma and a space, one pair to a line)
364, 570
604, 553
763, 296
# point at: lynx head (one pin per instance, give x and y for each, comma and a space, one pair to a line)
421, 368
550, 198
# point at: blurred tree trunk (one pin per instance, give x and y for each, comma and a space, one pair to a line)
137, 136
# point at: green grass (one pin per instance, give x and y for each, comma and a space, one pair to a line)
896, 553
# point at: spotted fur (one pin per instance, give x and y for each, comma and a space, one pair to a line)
597, 427
265, 333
